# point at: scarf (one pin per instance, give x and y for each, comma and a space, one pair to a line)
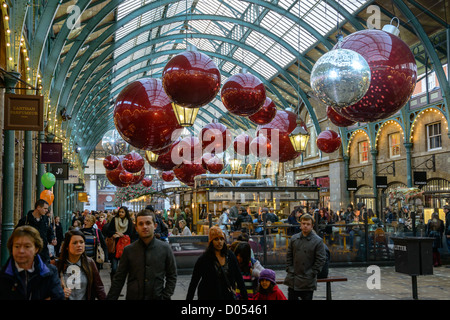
121, 224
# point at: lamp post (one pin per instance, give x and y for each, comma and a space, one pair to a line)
299, 137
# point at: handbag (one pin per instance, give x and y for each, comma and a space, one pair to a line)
110, 244
121, 244
100, 254
229, 287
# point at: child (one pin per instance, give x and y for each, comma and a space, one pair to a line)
268, 288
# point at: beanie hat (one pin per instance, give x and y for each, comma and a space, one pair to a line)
215, 232
268, 274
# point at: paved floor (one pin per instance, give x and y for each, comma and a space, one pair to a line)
362, 284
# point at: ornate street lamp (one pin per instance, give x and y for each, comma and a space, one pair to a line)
185, 116
299, 137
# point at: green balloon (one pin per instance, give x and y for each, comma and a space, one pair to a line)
48, 180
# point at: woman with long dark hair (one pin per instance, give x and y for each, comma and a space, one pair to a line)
435, 229
119, 227
79, 274
216, 271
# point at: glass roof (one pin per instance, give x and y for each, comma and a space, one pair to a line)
269, 57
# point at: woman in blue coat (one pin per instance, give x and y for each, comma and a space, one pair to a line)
25, 276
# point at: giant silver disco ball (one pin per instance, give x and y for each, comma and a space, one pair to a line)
340, 78
113, 143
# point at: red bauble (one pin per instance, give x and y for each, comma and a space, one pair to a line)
261, 147
167, 176
133, 162
147, 182
338, 119
186, 172
328, 141
265, 114
144, 117
243, 94
138, 176
277, 131
165, 161
215, 165
190, 150
216, 138
191, 79
242, 144
126, 177
113, 175
205, 158
393, 75
111, 162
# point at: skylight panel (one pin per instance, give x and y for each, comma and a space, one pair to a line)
128, 6
264, 68
280, 55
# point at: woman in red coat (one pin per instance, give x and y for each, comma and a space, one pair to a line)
268, 288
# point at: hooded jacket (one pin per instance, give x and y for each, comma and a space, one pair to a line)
43, 282
276, 294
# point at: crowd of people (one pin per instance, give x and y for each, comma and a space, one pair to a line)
44, 263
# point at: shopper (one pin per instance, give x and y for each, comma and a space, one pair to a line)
121, 226
242, 251
38, 219
268, 288
78, 272
148, 264
435, 229
58, 230
224, 221
447, 226
243, 217
93, 239
25, 276
294, 221
216, 271
184, 228
305, 259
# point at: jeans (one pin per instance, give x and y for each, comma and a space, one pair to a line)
303, 295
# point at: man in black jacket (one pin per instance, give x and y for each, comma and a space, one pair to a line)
38, 219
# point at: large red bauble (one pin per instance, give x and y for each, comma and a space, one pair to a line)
191, 79
277, 131
242, 144
165, 161
338, 119
186, 172
215, 165
111, 162
328, 141
261, 147
393, 75
113, 175
265, 114
144, 117
133, 162
147, 182
126, 177
190, 150
215, 137
167, 176
243, 94
205, 158
138, 176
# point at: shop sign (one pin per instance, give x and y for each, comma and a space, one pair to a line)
263, 196
24, 112
60, 171
304, 195
420, 178
82, 197
246, 196
73, 177
381, 181
51, 152
352, 185
78, 187
287, 195
220, 196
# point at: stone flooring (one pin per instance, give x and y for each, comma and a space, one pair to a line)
361, 285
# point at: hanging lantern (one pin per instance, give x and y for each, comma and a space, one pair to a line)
328, 141
393, 74
243, 94
235, 164
151, 156
144, 116
185, 116
133, 162
338, 119
215, 137
265, 114
191, 79
299, 137
340, 77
